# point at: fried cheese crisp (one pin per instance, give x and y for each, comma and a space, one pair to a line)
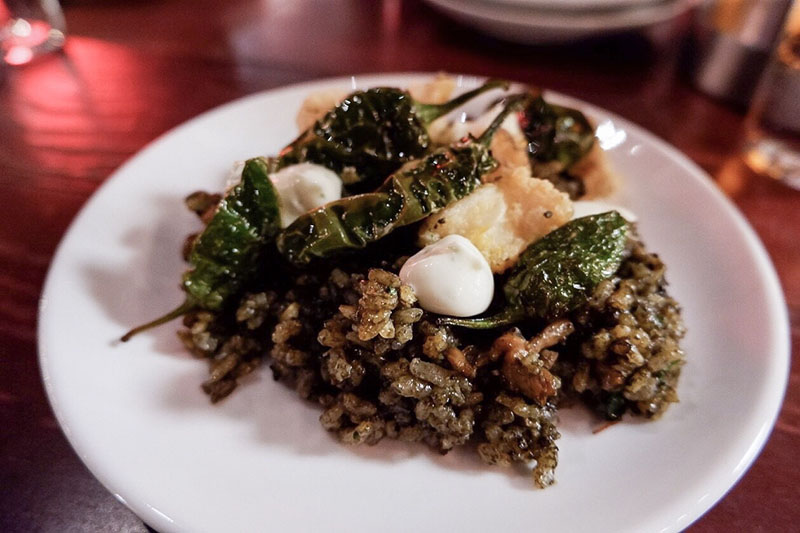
503, 217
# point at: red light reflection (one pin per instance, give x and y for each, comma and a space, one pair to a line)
73, 113
18, 55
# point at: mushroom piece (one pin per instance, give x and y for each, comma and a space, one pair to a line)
524, 367
458, 360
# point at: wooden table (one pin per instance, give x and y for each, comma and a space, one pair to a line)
132, 70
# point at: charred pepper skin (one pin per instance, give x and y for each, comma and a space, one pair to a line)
558, 273
227, 253
371, 134
558, 137
417, 190
229, 249
556, 133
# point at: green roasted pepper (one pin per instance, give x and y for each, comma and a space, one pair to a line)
228, 251
417, 190
558, 273
371, 134
557, 138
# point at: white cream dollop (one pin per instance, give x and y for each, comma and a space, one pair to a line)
303, 187
584, 208
450, 277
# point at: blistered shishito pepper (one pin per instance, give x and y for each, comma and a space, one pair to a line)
558, 273
371, 133
227, 252
417, 190
557, 138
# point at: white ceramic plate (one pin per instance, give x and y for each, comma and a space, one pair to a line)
260, 460
527, 25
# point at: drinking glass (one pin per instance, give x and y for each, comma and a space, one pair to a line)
29, 28
772, 145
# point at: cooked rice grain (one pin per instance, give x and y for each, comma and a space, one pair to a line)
360, 346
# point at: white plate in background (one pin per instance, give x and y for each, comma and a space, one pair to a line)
260, 461
530, 26
576, 5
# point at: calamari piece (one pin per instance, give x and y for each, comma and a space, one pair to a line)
316, 105
448, 132
509, 146
511, 154
599, 180
510, 149
437, 91
525, 367
502, 218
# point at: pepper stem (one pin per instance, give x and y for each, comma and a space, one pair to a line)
513, 103
427, 113
503, 318
181, 310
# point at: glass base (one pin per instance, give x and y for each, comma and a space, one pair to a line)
775, 158
21, 40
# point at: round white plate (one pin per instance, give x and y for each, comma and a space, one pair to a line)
260, 461
531, 26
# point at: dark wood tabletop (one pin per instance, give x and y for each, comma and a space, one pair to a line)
133, 69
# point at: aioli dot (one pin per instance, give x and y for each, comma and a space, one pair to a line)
450, 277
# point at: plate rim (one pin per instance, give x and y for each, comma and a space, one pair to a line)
519, 16
577, 5
773, 291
